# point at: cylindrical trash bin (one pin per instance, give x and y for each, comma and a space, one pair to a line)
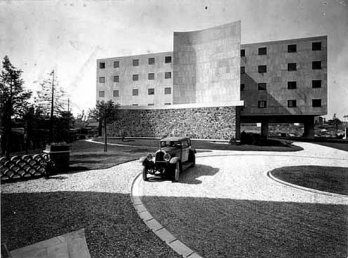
60, 155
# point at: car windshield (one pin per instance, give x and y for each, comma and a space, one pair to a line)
170, 143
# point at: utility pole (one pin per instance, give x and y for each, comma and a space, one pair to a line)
52, 108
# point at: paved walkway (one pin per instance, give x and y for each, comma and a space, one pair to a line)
223, 180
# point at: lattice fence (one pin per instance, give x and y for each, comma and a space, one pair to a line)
23, 167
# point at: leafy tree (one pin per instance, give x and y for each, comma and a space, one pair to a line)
13, 101
105, 112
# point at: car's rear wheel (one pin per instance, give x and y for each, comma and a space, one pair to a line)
145, 174
177, 172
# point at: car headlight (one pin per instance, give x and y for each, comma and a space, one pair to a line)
149, 157
166, 157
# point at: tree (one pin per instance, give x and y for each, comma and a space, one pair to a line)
105, 112
13, 101
335, 121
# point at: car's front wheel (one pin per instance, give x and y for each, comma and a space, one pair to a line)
145, 174
177, 172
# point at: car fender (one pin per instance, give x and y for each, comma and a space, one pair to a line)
174, 160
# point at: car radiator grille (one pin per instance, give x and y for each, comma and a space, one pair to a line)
160, 156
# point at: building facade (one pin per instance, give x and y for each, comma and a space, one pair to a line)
212, 74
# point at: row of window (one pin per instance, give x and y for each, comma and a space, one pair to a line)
135, 77
316, 65
291, 85
135, 92
292, 48
291, 103
135, 62
151, 104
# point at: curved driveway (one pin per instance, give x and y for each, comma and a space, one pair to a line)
228, 206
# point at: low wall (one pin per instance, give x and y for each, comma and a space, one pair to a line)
200, 123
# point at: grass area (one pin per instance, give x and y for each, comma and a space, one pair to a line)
336, 145
199, 144
112, 226
328, 179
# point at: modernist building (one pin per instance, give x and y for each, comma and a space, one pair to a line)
212, 82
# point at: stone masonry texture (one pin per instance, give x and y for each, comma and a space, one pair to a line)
198, 123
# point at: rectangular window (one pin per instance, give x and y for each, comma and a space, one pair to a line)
135, 77
316, 102
262, 69
316, 46
292, 67
242, 70
151, 60
151, 104
316, 84
262, 104
116, 64
167, 75
116, 78
116, 93
151, 91
262, 51
134, 105
101, 94
316, 65
292, 85
151, 76
135, 92
135, 62
261, 86
292, 103
102, 65
167, 91
102, 79
292, 48
242, 87
167, 104
242, 52
168, 59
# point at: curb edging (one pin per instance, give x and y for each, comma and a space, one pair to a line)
160, 231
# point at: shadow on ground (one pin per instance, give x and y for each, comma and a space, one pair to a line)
249, 228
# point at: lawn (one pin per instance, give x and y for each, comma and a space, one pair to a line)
328, 179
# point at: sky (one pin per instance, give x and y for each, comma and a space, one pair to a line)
70, 35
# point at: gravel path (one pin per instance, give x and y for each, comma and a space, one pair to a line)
227, 206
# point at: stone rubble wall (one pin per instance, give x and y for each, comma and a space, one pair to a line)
198, 123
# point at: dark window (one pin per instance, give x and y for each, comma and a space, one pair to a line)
151, 91
167, 75
116, 93
102, 79
167, 104
242, 52
101, 94
102, 65
135, 62
116, 78
151, 60
292, 48
262, 51
167, 90
242, 87
135, 92
242, 70
168, 59
292, 103
292, 67
316, 65
116, 64
134, 105
262, 104
261, 86
316, 46
316, 102
292, 85
150, 104
135, 77
316, 84
262, 69
151, 76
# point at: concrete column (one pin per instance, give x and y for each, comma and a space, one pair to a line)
309, 128
264, 129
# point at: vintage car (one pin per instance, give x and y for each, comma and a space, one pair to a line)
174, 155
